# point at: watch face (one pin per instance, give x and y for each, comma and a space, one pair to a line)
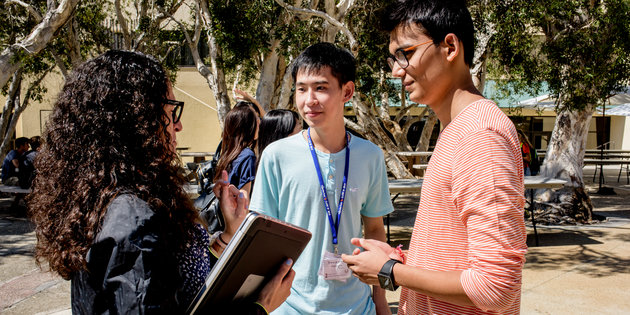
385, 278
384, 281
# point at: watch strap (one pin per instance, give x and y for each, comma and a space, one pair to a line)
386, 275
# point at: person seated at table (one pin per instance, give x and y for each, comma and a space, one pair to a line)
27, 165
11, 163
240, 131
116, 221
277, 124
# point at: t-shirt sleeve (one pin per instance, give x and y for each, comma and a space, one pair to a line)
244, 170
378, 202
265, 192
488, 194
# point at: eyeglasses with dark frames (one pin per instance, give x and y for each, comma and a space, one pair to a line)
400, 56
177, 111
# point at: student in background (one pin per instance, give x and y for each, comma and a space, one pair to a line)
240, 131
529, 155
11, 163
277, 124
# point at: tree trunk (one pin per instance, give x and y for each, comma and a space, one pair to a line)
270, 74
375, 133
564, 160
18, 108
216, 80
37, 40
427, 131
13, 98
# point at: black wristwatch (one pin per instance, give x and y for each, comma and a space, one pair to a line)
386, 275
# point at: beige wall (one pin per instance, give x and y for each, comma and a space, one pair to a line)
620, 132
201, 131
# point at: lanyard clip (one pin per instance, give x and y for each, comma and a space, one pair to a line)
336, 249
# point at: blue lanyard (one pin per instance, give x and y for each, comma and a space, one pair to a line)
333, 226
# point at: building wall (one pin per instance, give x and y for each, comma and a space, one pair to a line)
201, 131
620, 132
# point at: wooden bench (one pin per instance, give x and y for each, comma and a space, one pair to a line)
420, 166
14, 190
17, 191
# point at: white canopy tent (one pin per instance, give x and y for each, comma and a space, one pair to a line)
548, 102
619, 110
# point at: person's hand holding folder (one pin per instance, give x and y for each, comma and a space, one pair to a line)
234, 205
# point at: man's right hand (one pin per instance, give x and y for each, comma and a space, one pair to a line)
279, 288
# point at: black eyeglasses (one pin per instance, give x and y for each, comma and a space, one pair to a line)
177, 111
400, 56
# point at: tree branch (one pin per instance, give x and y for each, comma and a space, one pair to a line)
37, 40
123, 24
31, 9
327, 18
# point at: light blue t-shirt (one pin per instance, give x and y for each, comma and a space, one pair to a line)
287, 188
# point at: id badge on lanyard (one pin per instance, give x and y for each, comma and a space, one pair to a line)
332, 267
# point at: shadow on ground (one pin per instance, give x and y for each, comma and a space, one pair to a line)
16, 231
586, 259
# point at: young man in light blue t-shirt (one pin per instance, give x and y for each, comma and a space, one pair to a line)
297, 174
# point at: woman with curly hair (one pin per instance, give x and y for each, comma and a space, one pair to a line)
240, 131
108, 202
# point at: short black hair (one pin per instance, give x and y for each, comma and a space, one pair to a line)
20, 142
437, 17
317, 56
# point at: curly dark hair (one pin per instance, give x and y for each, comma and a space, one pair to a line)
106, 136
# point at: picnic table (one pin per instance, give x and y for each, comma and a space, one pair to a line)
599, 163
198, 157
416, 160
539, 182
17, 191
399, 186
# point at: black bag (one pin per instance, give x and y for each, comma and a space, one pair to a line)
210, 211
207, 203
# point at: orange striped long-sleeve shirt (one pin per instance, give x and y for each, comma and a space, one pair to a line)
470, 216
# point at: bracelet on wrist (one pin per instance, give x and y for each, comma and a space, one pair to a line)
215, 238
223, 243
398, 249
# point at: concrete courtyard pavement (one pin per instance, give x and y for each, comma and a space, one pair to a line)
575, 269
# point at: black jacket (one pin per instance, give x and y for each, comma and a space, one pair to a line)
131, 269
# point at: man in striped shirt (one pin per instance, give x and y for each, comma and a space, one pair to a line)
468, 244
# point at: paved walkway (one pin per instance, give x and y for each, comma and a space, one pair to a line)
575, 270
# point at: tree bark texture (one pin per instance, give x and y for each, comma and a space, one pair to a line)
13, 97
37, 40
15, 107
565, 160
